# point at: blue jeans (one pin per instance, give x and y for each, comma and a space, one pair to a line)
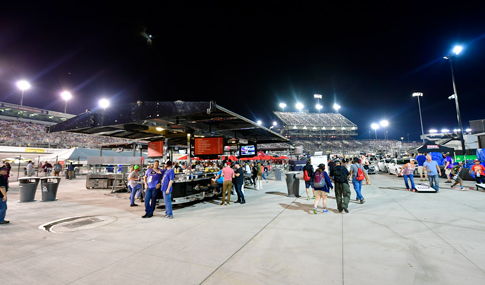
150, 200
434, 182
133, 192
3, 210
240, 194
357, 187
167, 198
406, 181
264, 175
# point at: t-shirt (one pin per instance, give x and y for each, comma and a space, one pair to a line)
153, 178
354, 168
71, 167
476, 168
228, 173
420, 159
221, 179
132, 183
3, 183
431, 166
239, 179
450, 160
29, 166
168, 175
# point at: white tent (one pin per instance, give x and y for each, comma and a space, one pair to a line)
81, 154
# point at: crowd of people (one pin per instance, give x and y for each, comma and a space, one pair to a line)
27, 134
347, 146
312, 119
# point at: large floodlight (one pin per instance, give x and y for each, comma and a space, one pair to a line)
384, 123
317, 96
104, 103
66, 96
457, 49
299, 106
445, 131
336, 107
319, 107
283, 106
420, 94
468, 130
375, 126
433, 131
275, 123
23, 85
259, 122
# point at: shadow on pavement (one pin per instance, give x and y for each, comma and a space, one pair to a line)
277, 193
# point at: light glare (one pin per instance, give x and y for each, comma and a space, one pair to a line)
375, 126
433, 131
66, 95
299, 106
319, 107
384, 123
23, 85
457, 49
104, 103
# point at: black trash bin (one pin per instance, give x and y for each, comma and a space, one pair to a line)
290, 184
48, 186
28, 187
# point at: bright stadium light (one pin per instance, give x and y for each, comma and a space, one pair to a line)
23, 85
275, 123
336, 107
433, 131
468, 130
319, 107
299, 106
259, 122
104, 103
384, 123
375, 126
445, 131
66, 96
457, 49
456, 130
283, 106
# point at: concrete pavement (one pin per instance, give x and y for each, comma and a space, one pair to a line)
396, 237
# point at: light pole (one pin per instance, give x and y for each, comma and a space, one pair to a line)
23, 85
375, 127
283, 105
384, 124
319, 107
420, 94
337, 107
450, 58
66, 96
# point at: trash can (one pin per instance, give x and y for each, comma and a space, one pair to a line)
28, 186
291, 180
277, 174
48, 186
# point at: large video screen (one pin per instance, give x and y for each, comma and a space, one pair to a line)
209, 146
247, 150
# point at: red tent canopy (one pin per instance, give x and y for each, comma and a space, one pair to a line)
282, 157
231, 157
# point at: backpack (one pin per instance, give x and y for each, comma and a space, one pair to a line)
360, 174
338, 175
319, 180
58, 167
305, 176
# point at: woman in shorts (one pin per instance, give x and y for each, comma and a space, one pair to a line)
322, 185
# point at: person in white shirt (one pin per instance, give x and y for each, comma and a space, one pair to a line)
133, 186
30, 168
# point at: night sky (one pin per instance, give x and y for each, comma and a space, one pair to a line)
250, 56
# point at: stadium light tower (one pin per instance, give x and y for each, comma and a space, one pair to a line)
384, 124
450, 58
420, 94
282, 106
275, 123
299, 106
23, 85
319, 107
336, 107
375, 127
66, 96
104, 103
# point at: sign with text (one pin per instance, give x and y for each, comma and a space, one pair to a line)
209, 146
155, 149
432, 146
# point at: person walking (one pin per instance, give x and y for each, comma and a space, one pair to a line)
47, 168
479, 171
71, 171
421, 159
254, 174
167, 182
309, 175
228, 175
448, 166
152, 181
434, 172
3, 195
133, 186
407, 171
259, 177
322, 184
57, 168
358, 178
340, 176
30, 168
456, 175
238, 183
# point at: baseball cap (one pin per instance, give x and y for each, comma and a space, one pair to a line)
476, 160
169, 163
228, 163
137, 166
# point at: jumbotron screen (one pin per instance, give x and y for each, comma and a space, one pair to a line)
247, 150
209, 146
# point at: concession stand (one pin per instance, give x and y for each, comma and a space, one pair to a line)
203, 128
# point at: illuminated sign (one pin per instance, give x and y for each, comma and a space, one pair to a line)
432, 146
209, 146
155, 149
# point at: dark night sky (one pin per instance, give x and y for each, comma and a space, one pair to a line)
248, 57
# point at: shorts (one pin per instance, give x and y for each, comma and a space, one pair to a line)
421, 170
321, 193
308, 184
457, 178
448, 171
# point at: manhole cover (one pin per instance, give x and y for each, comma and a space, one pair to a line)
77, 224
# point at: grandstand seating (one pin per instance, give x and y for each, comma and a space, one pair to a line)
27, 134
314, 119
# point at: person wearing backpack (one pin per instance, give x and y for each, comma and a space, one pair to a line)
340, 176
322, 185
308, 177
358, 174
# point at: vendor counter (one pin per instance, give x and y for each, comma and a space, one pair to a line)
188, 188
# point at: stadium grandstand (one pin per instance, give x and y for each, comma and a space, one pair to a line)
24, 126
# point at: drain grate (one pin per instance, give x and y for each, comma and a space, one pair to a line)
77, 223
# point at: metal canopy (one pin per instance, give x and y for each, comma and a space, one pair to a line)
152, 121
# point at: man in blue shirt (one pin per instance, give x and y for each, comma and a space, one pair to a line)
421, 159
433, 170
448, 166
167, 182
152, 179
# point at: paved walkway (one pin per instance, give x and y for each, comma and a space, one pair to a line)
396, 237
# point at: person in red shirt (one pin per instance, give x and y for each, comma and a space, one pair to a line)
228, 174
479, 171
